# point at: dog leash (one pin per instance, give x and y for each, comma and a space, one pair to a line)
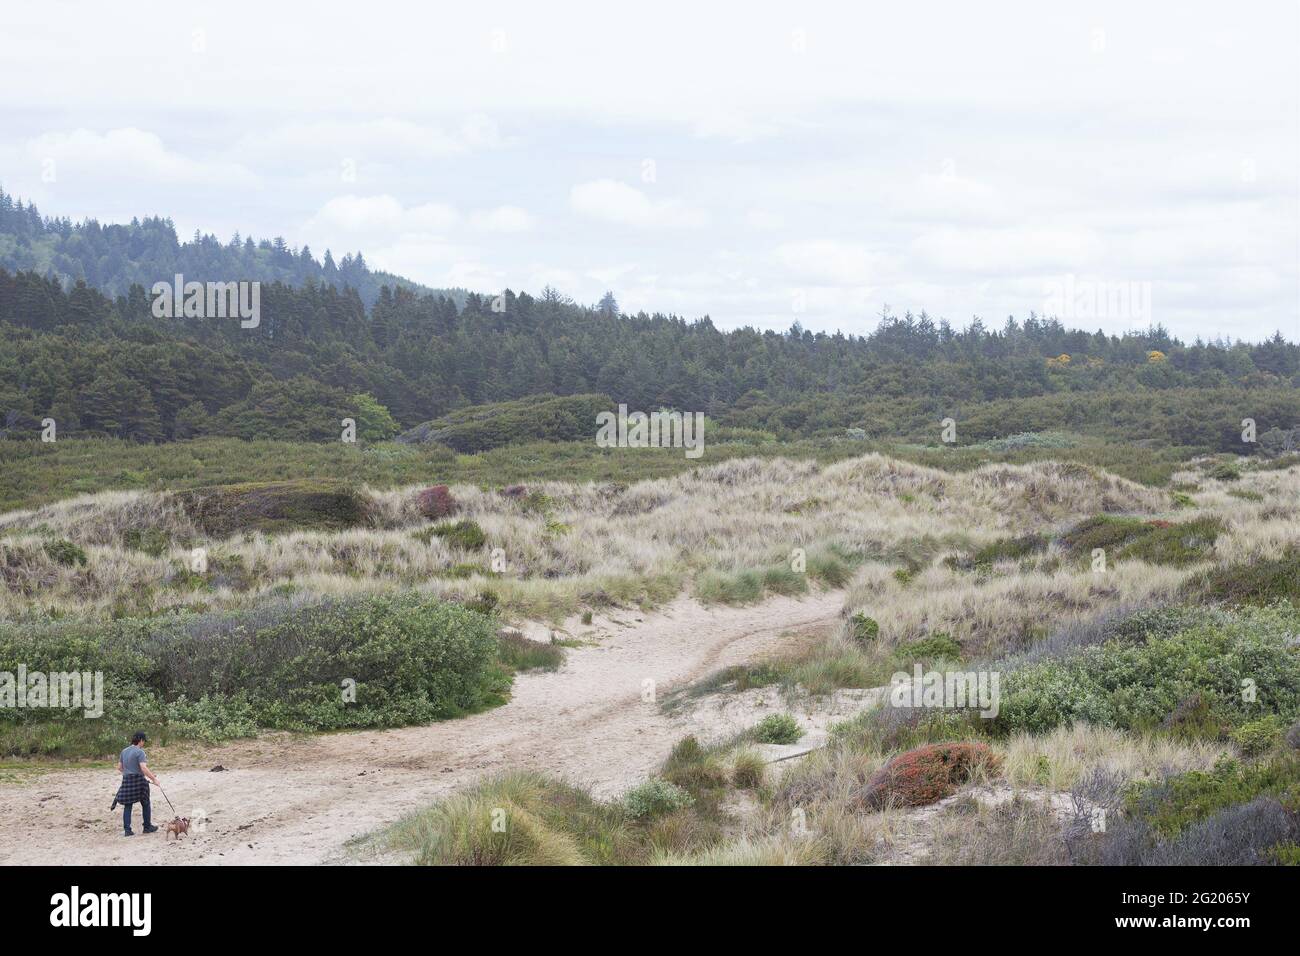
165, 797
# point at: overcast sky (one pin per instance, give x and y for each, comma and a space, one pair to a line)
759, 163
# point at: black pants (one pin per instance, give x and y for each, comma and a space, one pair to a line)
144, 810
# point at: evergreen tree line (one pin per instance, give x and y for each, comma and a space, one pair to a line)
104, 365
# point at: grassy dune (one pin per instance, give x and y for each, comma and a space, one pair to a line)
1122, 694
730, 528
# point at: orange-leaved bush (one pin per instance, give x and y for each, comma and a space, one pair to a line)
926, 774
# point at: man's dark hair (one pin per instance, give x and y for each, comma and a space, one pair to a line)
138, 736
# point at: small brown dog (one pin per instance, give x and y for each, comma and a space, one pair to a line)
178, 826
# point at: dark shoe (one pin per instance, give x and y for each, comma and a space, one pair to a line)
129, 833
150, 829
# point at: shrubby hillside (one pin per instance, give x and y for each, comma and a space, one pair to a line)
106, 366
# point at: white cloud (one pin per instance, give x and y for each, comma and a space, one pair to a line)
763, 219
1013, 251
829, 262
503, 219
368, 141
116, 155
1016, 152
610, 201
380, 217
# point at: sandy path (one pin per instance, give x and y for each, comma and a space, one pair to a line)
298, 799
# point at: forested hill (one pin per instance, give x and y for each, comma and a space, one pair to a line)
103, 365
114, 257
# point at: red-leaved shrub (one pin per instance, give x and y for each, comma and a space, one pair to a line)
435, 502
515, 491
926, 774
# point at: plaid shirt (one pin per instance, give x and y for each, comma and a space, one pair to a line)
134, 789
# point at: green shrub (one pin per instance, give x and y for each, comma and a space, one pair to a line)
654, 798
936, 646
1169, 806
778, 729
64, 552
1138, 686
1225, 471
1285, 854
408, 659
276, 506
1257, 736
1142, 626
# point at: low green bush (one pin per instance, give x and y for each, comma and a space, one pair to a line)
655, 798
936, 646
1140, 685
1169, 806
1257, 736
778, 729
369, 662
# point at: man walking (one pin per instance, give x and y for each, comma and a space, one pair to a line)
135, 783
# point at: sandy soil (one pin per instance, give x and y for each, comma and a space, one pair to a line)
290, 799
